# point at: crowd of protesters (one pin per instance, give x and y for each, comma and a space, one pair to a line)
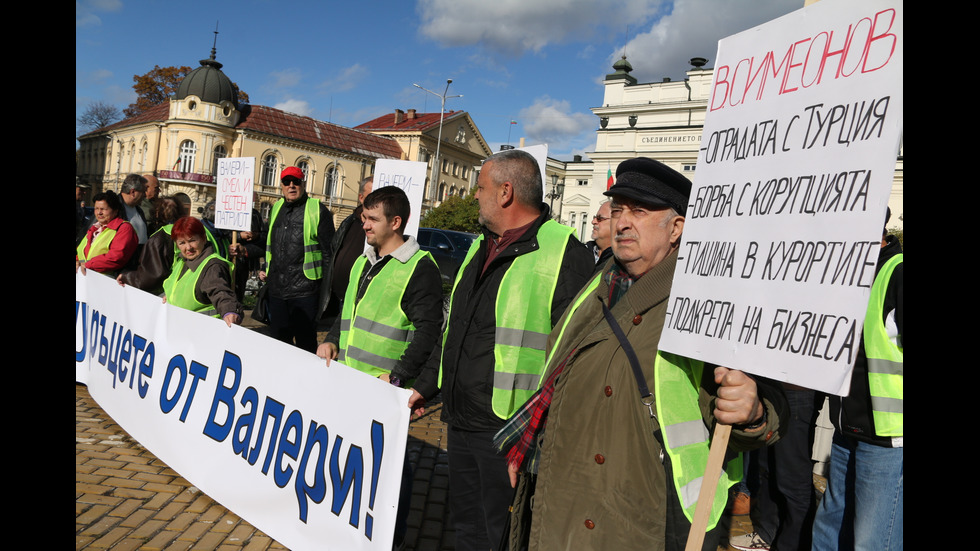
567, 427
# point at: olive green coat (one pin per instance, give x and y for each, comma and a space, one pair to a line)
601, 483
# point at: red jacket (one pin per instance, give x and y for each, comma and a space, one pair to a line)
121, 248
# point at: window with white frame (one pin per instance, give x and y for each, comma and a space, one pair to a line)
219, 153
305, 167
330, 181
270, 170
188, 154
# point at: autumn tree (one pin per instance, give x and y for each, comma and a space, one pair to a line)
97, 115
159, 84
455, 213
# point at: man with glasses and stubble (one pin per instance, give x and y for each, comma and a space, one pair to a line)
601, 242
297, 249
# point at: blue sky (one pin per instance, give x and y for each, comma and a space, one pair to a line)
537, 62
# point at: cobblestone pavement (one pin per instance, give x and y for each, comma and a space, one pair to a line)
126, 498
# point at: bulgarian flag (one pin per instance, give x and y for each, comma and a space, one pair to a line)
609, 178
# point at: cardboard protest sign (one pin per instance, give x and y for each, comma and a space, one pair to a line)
410, 177
309, 454
233, 203
540, 154
785, 219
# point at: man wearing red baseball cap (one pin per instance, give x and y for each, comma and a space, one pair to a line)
298, 248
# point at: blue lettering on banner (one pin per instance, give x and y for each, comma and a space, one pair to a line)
285, 445
124, 354
296, 455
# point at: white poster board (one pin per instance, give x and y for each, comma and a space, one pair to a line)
410, 177
540, 154
310, 455
233, 202
784, 223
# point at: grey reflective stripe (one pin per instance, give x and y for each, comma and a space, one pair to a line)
383, 330
344, 324
371, 359
686, 433
887, 405
690, 492
521, 338
211, 312
515, 381
885, 367
312, 265
341, 356
311, 248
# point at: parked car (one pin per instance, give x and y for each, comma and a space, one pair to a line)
447, 247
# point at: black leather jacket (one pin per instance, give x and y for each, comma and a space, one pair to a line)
286, 277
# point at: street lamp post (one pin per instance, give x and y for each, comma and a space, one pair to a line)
434, 183
557, 191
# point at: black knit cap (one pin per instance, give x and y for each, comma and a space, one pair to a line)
652, 183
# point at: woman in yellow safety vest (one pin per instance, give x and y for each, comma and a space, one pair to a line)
200, 279
110, 241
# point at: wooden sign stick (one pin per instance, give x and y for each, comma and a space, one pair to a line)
712, 472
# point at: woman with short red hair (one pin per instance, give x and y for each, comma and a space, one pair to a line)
200, 277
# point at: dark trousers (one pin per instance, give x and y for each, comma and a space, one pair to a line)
294, 319
479, 490
784, 505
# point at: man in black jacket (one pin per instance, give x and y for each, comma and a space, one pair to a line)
297, 249
513, 286
347, 245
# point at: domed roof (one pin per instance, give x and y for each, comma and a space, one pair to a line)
208, 83
621, 66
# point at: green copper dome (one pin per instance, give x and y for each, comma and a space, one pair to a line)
208, 83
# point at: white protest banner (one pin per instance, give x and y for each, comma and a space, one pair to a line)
785, 218
233, 204
410, 177
310, 455
540, 154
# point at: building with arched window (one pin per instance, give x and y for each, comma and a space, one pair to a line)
181, 141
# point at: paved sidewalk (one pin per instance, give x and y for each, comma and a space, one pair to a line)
127, 498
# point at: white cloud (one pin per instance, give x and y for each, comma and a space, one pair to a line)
693, 29
300, 107
550, 121
287, 78
349, 77
85, 11
514, 27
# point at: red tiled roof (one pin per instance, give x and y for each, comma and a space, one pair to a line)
276, 122
421, 122
279, 123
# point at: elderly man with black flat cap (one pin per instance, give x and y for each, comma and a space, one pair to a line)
614, 445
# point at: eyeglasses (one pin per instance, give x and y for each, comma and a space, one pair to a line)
292, 182
600, 219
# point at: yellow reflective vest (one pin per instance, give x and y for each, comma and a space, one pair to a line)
885, 359
312, 254
180, 288
374, 331
523, 317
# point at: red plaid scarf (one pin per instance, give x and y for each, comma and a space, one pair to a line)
522, 429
